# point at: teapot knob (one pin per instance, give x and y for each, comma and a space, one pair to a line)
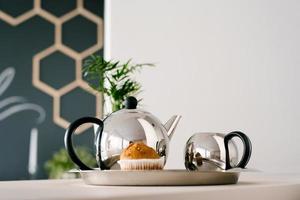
131, 102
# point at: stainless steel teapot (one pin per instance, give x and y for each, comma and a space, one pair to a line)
119, 129
215, 151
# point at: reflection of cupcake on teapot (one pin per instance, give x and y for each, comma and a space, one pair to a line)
138, 156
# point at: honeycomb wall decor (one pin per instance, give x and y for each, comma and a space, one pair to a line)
60, 21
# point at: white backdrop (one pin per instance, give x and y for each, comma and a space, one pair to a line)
222, 65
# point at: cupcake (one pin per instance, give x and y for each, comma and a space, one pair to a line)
138, 156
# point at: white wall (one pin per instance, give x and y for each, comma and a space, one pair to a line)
222, 65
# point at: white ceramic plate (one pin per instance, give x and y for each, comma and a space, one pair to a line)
158, 177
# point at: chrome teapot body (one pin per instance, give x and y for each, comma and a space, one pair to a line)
216, 151
119, 129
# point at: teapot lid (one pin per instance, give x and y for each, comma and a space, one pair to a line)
130, 118
129, 111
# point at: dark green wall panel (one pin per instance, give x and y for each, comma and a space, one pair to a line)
18, 45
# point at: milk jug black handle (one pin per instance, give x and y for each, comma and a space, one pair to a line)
247, 149
69, 145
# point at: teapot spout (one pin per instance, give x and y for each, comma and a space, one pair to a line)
171, 125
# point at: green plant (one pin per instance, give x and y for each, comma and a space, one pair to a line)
61, 162
112, 78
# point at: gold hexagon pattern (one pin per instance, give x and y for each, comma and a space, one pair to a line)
59, 46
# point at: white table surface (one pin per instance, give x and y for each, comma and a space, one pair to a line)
250, 186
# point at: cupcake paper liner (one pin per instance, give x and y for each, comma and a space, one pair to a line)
142, 164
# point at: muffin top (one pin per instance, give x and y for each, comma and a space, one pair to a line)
138, 150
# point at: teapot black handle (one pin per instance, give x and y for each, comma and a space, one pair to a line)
68, 139
247, 149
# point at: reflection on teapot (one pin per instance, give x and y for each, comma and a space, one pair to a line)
119, 129
215, 151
